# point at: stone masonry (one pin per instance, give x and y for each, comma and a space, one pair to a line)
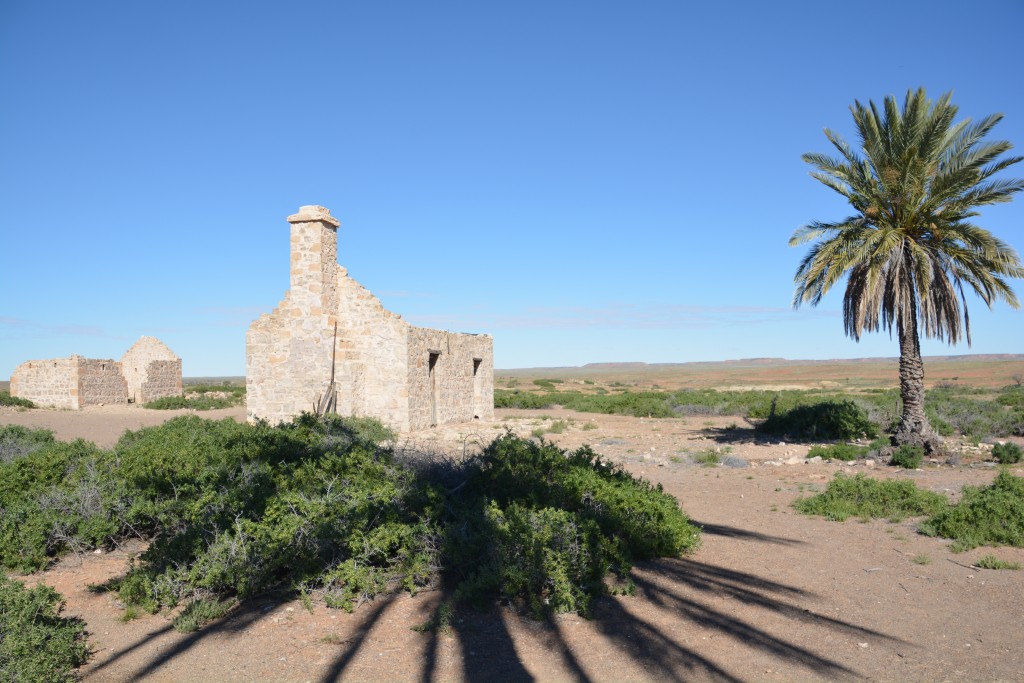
70, 383
152, 371
147, 371
328, 324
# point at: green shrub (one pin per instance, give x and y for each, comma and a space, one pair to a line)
237, 391
707, 458
230, 510
543, 526
521, 399
1007, 453
36, 643
867, 498
57, 498
558, 427
828, 419
993, 562
191, 402
17, 441
965, 410
838, 451
991, 515
908, 456
7, 400
199, 612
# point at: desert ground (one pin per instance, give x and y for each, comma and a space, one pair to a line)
771, 595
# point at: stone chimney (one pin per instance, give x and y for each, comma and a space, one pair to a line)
314, 261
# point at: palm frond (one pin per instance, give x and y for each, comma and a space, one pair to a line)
910, 251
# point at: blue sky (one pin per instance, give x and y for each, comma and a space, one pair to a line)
586, 181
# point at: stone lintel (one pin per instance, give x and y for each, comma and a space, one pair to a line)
312, 213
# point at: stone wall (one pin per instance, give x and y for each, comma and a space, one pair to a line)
371, 357
451, 377
100, 382
51, 383
70, 383
151, 370
163, 378
381, 363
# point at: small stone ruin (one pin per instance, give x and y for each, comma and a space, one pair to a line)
147, 371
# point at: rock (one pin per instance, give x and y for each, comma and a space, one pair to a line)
869, 463
733, 461
795, 460
816, 459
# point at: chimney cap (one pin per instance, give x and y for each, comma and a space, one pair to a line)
312, 213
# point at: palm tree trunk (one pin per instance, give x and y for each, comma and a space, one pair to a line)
914, 427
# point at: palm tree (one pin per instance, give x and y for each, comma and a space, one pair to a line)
910, 246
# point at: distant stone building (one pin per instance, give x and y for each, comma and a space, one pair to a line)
147, 371
152, 371
330, 327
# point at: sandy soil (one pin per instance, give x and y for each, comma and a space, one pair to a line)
770, 596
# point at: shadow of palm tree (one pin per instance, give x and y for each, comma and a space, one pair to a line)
684, 589
744, 534
237, 621
736, 435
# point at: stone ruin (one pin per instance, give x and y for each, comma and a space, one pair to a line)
330, 345
147, 371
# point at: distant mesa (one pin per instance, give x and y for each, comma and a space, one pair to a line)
776, 362
613, 366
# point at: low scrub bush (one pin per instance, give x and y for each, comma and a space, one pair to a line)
1007, 453
17, 441
707, 458
15, 401
60, 497
990, 515
543, 526
908, 456
196, 402
993, 562
968, 412
36, 643
236, 391
860, 496
824, 420
324, 504
838, 451
521, 399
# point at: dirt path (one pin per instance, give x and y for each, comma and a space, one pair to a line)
770, 596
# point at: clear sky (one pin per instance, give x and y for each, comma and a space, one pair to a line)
586, 181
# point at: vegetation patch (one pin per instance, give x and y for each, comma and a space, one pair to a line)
990, 515
709, 458
825, 420
1007, 453
908, 456
36, 643
810, 414
325, 505
992, 562
7, 400
838, 451
866, 498
195, 402
17, 441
